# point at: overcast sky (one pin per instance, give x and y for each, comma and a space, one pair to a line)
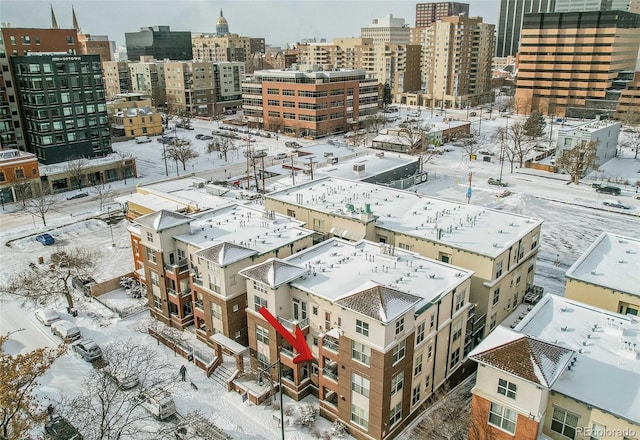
279, 22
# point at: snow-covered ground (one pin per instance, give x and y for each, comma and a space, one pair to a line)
573, 216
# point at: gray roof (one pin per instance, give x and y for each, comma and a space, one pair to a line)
161, 220
381, 303
225, 253
274, 272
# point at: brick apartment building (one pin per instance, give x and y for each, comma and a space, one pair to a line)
427, 13
309, 103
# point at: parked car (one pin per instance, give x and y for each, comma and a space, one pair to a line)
504, 193
143, 139
165, 139
616, 204
78, 196
473, 114
485, 153
205, 137
280, 156
60, 429
45, 239
65, 330
87, 349
124, 381
158, 402
185, 126
497, 182
198, 136
292, 144
613, 190
47, 316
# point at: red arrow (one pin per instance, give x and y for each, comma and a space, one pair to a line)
298, 341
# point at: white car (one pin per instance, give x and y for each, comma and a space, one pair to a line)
47, 316
87, 349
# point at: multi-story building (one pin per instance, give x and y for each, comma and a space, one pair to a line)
603, 133
222, 26
308, 103
19, 175
607, 275
386, 327
18, 42
62, 106
117, 78
591, 5
500, 248
387, 30
570, 62
95, 45
228, 85
190, 264
629, 100
510, 22
427, 13
228, 47
147, 77
132, 115
159, 42
564, 372
457, 56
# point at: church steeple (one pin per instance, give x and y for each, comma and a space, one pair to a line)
75, 19
54, 22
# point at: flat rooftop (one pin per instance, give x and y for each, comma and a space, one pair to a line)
340, 268
606, 373
373, 166
245, 226
473, 228
194, 192
612, 262
590, 126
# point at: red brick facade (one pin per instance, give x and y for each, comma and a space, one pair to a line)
479, 428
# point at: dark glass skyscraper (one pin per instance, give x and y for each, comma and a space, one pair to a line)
159, 42
62, 105
510, 22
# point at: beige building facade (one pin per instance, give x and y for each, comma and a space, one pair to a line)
131, 115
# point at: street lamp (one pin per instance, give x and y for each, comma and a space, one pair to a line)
2, 199
279, 388
113, 243
506, 131
164, 154
124, 171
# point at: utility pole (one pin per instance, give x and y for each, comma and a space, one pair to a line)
264, 190
293, 172
311, 167
506, 132
164, 154
248, 154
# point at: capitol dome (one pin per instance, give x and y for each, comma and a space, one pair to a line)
222, 27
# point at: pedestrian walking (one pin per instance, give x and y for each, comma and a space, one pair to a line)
183, 373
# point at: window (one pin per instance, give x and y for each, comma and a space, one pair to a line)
157, 302
415, 397
26, 39
216, 311
507, 388
259, 302
496, 296
455, 358
459, 300
498, 269
456, 330
417, 369
360, 353
259, 287
273, 92
362, 327
398, 351
155, 280
397, 382
503, 418
492, 323
70, 40
563, 422
314, 310
262, 334
149, 237
432, 323
597, 431
420, 333
359, 416
429, 352
399, 326
359, 385
151, 256
2, 178
236, 307
273, 102
396, 414
19, 173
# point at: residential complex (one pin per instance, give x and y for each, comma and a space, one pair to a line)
159, 42
69, 120
131, 115
571, 63
386, 328
510, 19
563, 372
96, 45
500, 248
457, 56
309, 103
387, 30
147, 76
604, 134
607, 275
427, 13
228, 47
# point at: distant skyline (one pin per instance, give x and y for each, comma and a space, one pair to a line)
278, 22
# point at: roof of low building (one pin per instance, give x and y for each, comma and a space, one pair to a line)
274, 272
163, 219
380, 302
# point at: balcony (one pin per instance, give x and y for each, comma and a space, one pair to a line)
330, 343
199, 304
287, 351
331, 371
182, 266
290, 324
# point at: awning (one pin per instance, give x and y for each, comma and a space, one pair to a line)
346, 234
228, 343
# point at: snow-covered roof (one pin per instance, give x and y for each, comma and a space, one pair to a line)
607, 352
588, 127
472, 228
245, 226
373, 165
611, 262
523, 356
392, 139
338, 269
161, 220
379, 302
192, 191
153, 202
225, 253
274, 272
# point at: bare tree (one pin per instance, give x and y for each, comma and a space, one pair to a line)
356, 139
221, 144
106, 408
416, 134
20, 409
579, 159
39, 284
518, 141
374, 122
77, 170
470, 144
41, 204
23, 189
104, 194
181, 151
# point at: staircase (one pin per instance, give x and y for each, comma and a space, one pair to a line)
221, 375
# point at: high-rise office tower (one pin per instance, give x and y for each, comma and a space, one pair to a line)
510, 22
591, 5
427, 13
159, 42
